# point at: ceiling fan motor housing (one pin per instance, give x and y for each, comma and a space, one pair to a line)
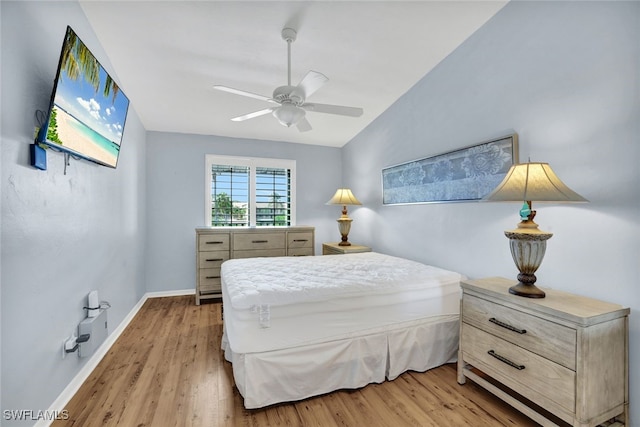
284, 94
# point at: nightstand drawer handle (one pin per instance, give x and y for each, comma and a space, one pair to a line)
507, 326
259, 241
212, 277
300, 240
214, 259
505, 360
214, 243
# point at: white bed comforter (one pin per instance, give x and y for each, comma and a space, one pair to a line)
264, 282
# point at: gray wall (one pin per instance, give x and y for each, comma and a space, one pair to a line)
176, 196
62, 235
564, 76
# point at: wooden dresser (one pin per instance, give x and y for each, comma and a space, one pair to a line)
214, 245
565, 353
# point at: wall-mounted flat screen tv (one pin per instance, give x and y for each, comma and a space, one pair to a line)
87, 112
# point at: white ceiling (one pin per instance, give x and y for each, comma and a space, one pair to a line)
167, 55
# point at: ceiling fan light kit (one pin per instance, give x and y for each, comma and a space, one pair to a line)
291, 100
288, 114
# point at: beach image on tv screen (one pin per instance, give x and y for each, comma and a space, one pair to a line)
89, 109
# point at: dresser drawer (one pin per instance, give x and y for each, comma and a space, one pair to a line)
259, 253
245, 241
299, 240
543, 337
209, 280
300, 251
213, 242
535, 377
212, 259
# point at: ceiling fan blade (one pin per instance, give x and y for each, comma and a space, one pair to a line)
340, 110
303, 125
310, 83
243, 93
253, 115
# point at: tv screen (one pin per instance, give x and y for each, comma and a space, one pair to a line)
88, 110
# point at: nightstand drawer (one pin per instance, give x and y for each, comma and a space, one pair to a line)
528, 374
543, 337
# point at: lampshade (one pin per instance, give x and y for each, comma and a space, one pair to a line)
533, 182
288, 114
344, 196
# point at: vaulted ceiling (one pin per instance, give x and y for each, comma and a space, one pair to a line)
168, 55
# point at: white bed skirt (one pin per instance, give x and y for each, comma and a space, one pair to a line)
349, 362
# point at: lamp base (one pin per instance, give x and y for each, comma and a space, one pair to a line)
526, 290
344, 225
528, 245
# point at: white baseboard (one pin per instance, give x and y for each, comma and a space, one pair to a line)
176, 293
72, 388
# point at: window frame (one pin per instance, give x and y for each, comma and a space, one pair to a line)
253, 163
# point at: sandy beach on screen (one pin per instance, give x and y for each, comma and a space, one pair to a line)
77, 142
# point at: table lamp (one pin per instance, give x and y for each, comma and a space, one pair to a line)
527, 182
344, 197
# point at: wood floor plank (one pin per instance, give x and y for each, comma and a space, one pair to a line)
396, 397
167, 369
203, 400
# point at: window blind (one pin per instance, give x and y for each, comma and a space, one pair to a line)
273, 196
230, 195
249, 192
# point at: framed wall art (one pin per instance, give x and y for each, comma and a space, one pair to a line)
463, 175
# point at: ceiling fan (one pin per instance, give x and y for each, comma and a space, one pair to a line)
291, 100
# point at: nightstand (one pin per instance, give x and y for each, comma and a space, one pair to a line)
565, 353
336, 249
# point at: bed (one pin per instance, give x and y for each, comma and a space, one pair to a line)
296, 327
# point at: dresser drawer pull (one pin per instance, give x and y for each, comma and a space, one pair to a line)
214, 243
505, 360
214, 259
212, 277
259, 241
300, 240
507, 326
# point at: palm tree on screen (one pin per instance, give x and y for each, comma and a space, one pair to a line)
77, 60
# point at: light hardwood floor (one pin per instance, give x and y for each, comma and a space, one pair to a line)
167, 369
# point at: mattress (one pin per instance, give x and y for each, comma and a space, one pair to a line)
296, 327
275, 303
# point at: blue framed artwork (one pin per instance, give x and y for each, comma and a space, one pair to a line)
463, 175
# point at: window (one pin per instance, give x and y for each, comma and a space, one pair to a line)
242, 192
